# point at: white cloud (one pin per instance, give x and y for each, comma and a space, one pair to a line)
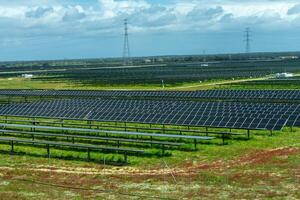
74, 14
295, 10
112, 8
39, 12
51, 17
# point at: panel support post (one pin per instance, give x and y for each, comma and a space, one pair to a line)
195, 144
12, 147
223, 138
89, 154
248, 134
163, 149
48, 150
125, 157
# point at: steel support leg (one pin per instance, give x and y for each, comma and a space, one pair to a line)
12, 147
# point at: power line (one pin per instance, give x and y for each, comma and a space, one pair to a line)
126, 49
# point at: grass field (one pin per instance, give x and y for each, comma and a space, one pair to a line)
264, 167
23, 83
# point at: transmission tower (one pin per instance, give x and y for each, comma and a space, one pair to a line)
204, 55
248, 40
126, 50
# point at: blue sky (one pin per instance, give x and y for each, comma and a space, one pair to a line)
54, 29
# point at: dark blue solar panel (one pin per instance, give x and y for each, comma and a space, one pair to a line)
269, 116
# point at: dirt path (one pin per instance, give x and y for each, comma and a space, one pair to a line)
222, 83
217, 83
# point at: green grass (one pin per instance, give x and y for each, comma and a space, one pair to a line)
23, 83
217, 173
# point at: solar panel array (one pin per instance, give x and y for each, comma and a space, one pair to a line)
267, 116
209, 94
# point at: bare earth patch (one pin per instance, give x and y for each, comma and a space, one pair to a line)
224, 178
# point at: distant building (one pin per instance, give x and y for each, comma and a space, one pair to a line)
288, 57
284, 75
147, 61
27, 75
204, 65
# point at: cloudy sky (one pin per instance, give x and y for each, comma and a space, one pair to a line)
58, 29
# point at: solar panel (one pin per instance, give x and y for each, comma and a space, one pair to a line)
267, 95
91, 137
109, 131
268, 116
117, 150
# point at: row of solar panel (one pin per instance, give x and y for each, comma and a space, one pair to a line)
160, 104
222, 94
188, 108
154, 104
230, 115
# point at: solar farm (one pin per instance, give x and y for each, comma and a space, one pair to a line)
150, 100
141, 123
116, 133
